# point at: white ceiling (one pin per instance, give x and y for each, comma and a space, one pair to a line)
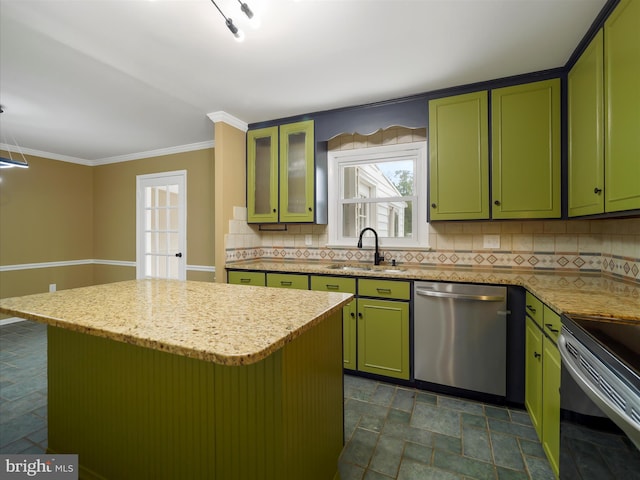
98, 79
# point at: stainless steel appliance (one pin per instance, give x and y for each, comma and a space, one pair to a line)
603, 357
460, 336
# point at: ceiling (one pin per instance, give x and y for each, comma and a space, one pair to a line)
100, 80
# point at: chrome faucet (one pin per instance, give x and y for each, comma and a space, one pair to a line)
377, 256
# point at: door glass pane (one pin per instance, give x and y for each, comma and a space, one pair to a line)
296, 173
263, 176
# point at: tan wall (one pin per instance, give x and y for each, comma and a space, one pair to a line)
115, 211
46, 215
59, 212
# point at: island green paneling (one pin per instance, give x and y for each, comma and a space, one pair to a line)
131, 412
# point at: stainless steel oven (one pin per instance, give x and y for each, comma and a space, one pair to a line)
601, 374
604, 360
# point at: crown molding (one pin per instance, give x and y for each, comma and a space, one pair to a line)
229, 119
155, 153
40, 153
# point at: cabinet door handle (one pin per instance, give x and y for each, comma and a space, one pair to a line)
433, 205
536, 355
531, 309
597, 190
274, 210
310, 209
359, 314
550, 327
497, 202
353, 315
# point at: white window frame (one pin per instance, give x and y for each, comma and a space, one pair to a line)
337, 159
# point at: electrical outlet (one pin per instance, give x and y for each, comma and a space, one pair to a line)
52, 287
308, 240
491, 241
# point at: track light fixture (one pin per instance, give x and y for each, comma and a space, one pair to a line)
229, 22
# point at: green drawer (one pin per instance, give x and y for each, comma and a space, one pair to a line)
246, 278
534, 308
333, 284
288, 280
552, 323
384, 289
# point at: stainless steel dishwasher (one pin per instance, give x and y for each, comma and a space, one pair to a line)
460, 335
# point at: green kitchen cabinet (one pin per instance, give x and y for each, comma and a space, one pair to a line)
297, 172
288, 280
349, 332
240, 277
459, 157
622, 100
586, 131
262, 175
551, 371
533, 373
281, 174
542, 376
383, 337
525, 151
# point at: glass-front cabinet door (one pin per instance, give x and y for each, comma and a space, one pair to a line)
262, 175
297, 172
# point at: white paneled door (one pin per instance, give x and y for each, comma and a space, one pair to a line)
161, 225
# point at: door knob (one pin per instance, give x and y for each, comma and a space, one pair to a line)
179, 255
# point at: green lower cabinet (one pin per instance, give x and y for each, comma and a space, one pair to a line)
551, 403
288, 280
349, 335
246, 278
383, 337
533, 374
349, 328
542, 382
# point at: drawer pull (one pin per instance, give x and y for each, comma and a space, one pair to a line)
331, 287
550, 327
285, 283
245, 280
384, 290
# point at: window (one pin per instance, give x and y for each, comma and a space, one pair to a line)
380, 187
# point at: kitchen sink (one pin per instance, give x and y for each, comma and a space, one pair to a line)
365, 268
350, 268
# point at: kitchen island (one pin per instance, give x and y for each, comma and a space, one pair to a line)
170, 379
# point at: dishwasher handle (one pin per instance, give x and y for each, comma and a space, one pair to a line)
460, 296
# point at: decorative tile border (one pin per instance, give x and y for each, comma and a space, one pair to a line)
615, 266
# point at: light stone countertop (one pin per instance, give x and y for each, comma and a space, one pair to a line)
225, 324
564, 292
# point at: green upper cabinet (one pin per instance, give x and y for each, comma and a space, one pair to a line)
586, 131
622, 98
262, 175
525, 129
297, 172
459, 157
281, 174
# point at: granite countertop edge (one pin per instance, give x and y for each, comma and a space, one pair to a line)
267, 329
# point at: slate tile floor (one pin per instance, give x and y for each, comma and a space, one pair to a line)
391, 432
395, 432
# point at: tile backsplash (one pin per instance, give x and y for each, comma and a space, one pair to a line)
610, 246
